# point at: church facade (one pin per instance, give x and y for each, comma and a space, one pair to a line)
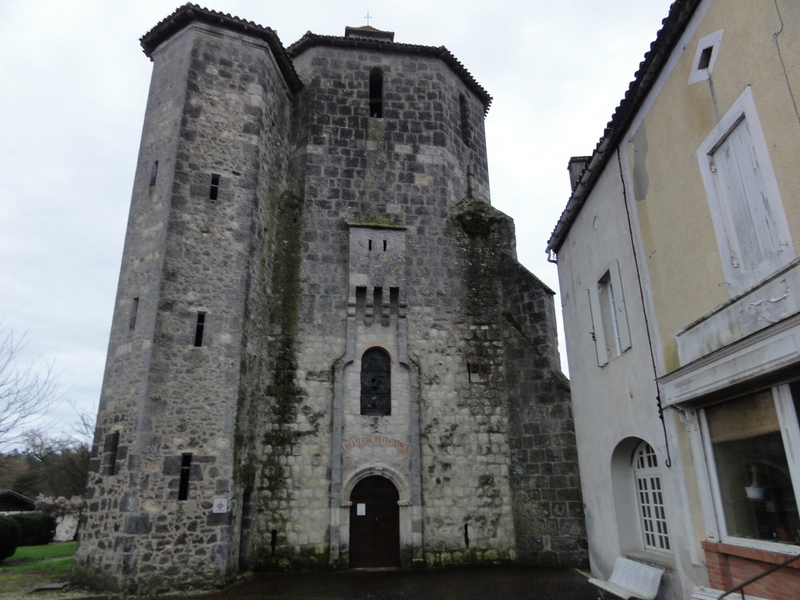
324, 353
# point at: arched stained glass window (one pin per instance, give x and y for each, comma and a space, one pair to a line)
376, 388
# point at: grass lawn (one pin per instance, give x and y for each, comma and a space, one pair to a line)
34, 565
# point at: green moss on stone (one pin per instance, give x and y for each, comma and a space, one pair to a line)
469, 556
376, 221
477, 218
287, 558
281, 396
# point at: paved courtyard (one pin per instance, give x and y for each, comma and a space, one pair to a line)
478, 583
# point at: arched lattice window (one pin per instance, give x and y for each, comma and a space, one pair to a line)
650, 498
376, 93
376, 388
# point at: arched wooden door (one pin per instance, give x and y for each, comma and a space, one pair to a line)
374, 524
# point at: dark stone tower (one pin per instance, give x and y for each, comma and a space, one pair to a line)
324, 352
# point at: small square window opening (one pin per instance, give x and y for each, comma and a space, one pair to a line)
705, 57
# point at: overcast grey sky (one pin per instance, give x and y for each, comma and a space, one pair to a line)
74, 86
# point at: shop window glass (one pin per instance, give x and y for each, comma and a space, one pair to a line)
754, 475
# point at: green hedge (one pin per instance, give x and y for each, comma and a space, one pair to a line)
36, 529
9, 537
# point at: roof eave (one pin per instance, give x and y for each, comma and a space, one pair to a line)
192, 13
310, 40
672, 28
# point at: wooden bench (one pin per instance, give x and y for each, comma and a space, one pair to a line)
631, 579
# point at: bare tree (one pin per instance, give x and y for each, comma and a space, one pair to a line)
83, 428
52, 465
27, 392
58, 465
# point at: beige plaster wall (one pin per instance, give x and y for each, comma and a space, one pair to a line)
681, 249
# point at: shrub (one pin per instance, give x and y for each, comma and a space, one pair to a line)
90, 578
36, 529
9, 537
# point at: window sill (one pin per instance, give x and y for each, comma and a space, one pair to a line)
738, 316
758, 550
656, 559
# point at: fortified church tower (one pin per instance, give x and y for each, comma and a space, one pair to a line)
324, 352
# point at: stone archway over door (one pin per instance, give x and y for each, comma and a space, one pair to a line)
374, 524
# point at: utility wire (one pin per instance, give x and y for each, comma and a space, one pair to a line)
668, 462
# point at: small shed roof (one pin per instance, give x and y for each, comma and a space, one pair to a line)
11, 501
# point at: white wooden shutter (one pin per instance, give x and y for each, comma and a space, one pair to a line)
750, 222
597, 323
619, 306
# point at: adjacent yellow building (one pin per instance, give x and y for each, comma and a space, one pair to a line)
680, 287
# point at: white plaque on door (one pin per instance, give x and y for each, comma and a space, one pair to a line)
361, 509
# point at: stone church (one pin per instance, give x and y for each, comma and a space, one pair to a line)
324, 353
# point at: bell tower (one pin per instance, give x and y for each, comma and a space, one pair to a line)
324, 353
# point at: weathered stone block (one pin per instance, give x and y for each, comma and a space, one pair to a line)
137, 524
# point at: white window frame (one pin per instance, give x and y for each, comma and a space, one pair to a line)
790, 434
738, 277
650, 500
607, 305
712, 40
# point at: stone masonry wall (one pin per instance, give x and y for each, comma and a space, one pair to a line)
125, 384
548, 506
408, 169
408, 172
190, 402
259, 216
